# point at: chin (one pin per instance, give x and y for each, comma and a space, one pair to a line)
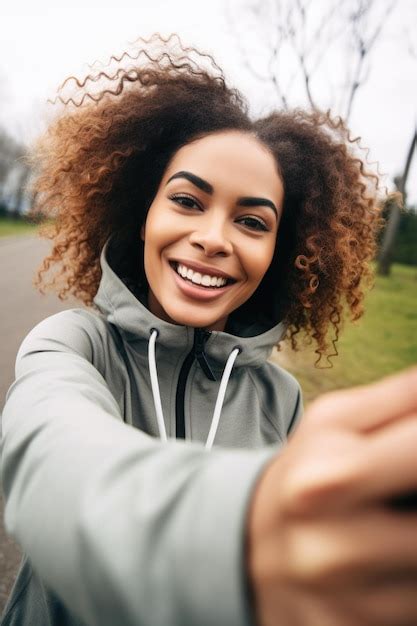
195, 321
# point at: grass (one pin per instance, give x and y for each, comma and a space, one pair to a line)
383, 341
11, 227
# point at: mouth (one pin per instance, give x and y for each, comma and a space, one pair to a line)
202, 281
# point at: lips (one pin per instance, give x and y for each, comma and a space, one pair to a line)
199, 278
196, 291
202, 269
202, 275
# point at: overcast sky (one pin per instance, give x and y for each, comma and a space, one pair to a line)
43, 42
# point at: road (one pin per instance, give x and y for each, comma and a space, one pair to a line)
22, 307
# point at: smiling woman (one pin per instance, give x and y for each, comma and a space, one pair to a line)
198, 239
115, 159
202, 228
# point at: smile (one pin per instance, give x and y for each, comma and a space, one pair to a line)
200, 279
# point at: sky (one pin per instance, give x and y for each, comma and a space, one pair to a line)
43, 42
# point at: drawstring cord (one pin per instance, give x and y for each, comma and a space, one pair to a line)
155, 386
157, 396
220, 397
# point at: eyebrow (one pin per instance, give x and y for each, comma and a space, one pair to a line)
207, 188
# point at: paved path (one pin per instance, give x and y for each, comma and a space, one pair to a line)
21, 308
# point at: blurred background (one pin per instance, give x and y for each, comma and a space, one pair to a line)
355, 57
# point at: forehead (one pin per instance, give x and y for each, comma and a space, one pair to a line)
230, 161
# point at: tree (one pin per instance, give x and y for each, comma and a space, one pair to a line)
13, 170
386, 253
14, 173
387, 246
301, 38
298, 38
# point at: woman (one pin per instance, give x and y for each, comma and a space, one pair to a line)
201, 238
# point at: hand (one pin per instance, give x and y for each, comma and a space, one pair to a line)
325, 545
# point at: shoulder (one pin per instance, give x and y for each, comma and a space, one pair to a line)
284, 381
280, 396
72, 330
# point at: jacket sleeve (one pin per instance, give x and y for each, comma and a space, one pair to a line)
123, 528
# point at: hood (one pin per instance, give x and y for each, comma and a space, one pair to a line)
130, 314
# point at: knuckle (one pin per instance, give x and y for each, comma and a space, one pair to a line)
318, 486
314, 559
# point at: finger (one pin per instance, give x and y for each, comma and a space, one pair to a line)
387, 465
374, 547
369, 407
392, 604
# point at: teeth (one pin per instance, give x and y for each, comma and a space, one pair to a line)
200, 279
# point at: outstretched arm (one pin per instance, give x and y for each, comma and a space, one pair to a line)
326, 546
125, 529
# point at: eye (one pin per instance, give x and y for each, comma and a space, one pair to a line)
254, 223
185, 201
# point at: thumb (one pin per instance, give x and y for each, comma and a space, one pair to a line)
369, 407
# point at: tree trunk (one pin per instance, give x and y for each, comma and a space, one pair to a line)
388, 241
20, 191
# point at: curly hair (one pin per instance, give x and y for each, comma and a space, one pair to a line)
99, 164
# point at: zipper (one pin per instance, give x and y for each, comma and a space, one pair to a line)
197, 352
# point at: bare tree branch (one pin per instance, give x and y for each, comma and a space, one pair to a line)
305, 35
363, 43
271, 75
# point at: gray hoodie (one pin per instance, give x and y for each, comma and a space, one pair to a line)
119, 526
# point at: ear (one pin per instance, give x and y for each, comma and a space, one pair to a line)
142, 232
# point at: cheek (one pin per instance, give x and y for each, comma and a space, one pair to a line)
159, 233
259, 261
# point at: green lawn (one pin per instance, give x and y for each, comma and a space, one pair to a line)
383, 341
11, 227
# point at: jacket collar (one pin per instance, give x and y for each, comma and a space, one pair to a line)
122, 308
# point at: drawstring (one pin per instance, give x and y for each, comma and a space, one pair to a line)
220, 397
157, 396
155, 386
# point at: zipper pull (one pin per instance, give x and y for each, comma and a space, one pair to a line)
200, 338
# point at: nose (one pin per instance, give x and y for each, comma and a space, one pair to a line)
211, 237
